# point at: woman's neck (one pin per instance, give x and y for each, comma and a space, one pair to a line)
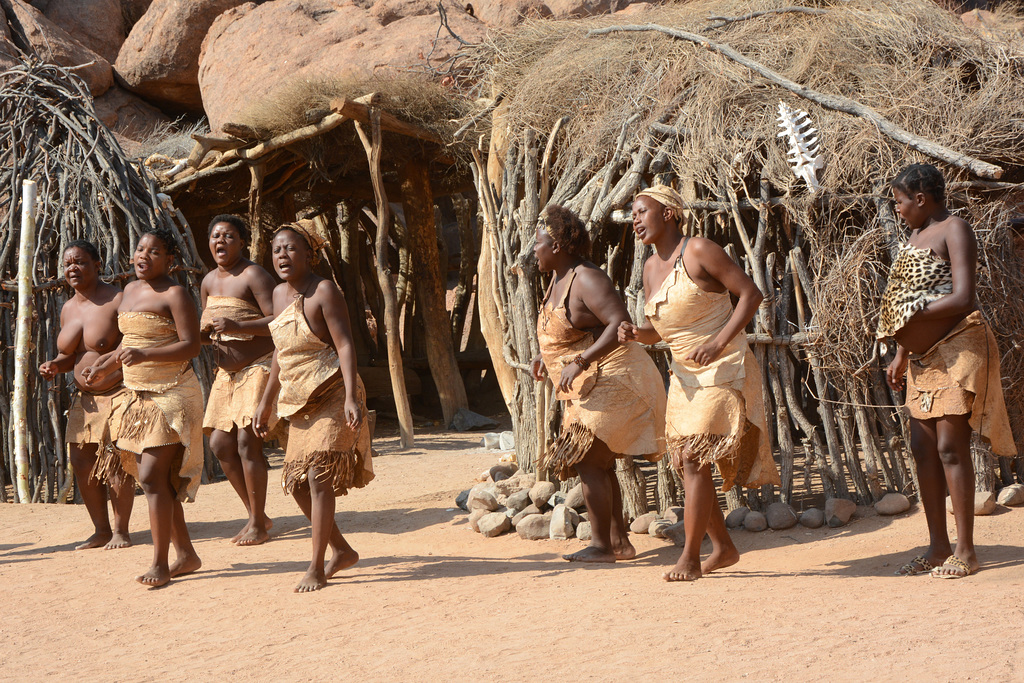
562, 269
667, 244
300, 284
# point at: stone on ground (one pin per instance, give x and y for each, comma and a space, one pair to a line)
755, 521
838, 511
482, 499
557, 498
675, 533
518, 500
657, 528
583, 531
462, 500
475, 516
1012, 495
507, 441
492, 441
562, 522
494, 524
574, 498
541, 492
734, 520
534, 527
892, 504
673, 514
812, 518
780, 516
984, 503
530, 509
642, 524
503, 469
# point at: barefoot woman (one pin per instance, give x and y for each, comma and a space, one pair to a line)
237, 305
313, 377
88, 329
715, 406
158, 427
614, 396
951, 360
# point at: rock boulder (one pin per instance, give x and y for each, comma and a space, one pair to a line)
159, 59
892, 504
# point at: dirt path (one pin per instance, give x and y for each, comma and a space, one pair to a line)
431, 599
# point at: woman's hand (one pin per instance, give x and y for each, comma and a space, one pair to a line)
261, 421
132, 357
895, 374
628, 332
537, 368
223, 325
353, 412
95, 374
48, 370
705, 353
569, 373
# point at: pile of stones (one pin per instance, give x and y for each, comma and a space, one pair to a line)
506, 500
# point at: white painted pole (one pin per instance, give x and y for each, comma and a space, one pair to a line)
23, 338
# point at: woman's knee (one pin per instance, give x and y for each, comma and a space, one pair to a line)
222, 444
250, 446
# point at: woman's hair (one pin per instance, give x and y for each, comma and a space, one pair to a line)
921, 178
165, 236
231, 219
566, 228
88, 247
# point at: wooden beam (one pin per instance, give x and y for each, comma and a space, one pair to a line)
358, 111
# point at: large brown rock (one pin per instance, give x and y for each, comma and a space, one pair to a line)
133, 10
124, 113
511, 12
160, 58
253, 50
97, 24
33, 32
8, 53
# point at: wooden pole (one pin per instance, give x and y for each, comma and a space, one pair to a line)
391, 321
22, 339
418, 202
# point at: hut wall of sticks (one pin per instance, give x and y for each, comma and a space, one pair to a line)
87, 189
586, 113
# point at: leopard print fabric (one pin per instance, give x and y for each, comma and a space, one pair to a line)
917, 278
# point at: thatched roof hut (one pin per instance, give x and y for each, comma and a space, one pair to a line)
592, 111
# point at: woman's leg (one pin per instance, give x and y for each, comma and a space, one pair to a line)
932, 479
699, 519
155, 478
596, 474
94, 494
122, 499
254, 469
954, 449
316, 500
225, 446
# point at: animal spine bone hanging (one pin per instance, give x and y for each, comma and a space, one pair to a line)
804, 146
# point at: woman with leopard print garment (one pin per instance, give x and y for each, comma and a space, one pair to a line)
951, 362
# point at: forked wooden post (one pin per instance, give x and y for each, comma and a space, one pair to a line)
22, 339
391, 320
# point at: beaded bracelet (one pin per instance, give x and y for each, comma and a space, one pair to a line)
580, 361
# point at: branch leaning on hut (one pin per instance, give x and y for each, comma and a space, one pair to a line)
834, 102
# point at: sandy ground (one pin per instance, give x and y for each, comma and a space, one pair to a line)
431, 600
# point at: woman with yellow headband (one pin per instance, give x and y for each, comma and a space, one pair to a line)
715, 405
313, 377
614, 395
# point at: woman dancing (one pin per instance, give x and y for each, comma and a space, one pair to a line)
313, 377
88, 329
715, 404
158, 427
614, 396
238, 304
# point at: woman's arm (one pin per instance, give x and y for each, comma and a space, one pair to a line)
598, 295
261, 421
717, 265
335, 312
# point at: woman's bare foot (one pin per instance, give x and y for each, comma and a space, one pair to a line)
185, 565
97, 540
253, 536
719, 559
119, 540
592, 554
341, 561
623, 550
155, 577
314, 580
241, 532
685, 570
